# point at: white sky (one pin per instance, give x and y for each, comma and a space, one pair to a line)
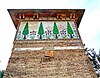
89, 27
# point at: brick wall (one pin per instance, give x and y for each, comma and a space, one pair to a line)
42, 43
37, 64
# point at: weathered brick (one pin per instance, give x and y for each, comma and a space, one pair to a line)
64, 64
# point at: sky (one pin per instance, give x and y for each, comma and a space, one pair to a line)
89, 27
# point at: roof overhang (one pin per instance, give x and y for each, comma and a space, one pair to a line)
14, 13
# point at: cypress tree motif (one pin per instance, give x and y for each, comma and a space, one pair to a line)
41, 30
55, 30
69, 30
26, 30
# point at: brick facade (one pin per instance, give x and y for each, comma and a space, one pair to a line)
63, 64
69, 62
